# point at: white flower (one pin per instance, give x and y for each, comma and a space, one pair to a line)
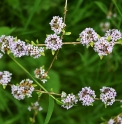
35, 106
68, 100
86, 96
103, 47
25, 88
88, 35
114, 34
57, 24
107, 95
53, 42
5, 77
34, 51
18, 48
111, 121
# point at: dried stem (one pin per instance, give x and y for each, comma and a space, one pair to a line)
55, 57
52, 93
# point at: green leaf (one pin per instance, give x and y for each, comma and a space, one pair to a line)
4, 86
53, 52
33, 43
78, 39
101, 57
67, 33
51, 83
101, 6
91, 43
6, 30
50, 110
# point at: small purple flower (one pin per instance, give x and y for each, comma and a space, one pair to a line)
107, 95
5, 77
35, 106
57, 24
41, 74
103, 47
53, 42
18, 48
68, 100
113, 34
25, 88
86, 96
5, 43
34, 51
88, 35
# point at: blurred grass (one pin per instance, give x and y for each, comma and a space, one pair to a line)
75, 67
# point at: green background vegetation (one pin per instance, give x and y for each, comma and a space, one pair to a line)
76, 66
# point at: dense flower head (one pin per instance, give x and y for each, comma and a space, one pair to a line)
88, 35
113, 34
107, 95
115, 120
35, 106
53, 42
111, 121
103, 47
86, 96
57, 24
1, 55
5, 43
5, 77
25, 88
41, 74
68, 100
18, 48
34, 51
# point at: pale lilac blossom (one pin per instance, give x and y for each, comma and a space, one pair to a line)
57, 24
25, 88
88, 35
107, 95
35, 106
5, 77
87, 96
68, 100
53, 42
113, 34
103, 47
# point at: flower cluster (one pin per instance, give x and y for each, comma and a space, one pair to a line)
53, 42
57, 24
18, 48
5, 77
107, 95
35, 106
116, 120
87, 36
68, 100
41, 74
102, 45
113, 34
25, 88
86, 96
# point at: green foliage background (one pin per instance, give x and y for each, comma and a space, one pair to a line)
76, 66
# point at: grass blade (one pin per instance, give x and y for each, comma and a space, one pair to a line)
50, 110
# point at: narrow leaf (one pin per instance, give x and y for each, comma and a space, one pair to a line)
50, 110
101, 6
